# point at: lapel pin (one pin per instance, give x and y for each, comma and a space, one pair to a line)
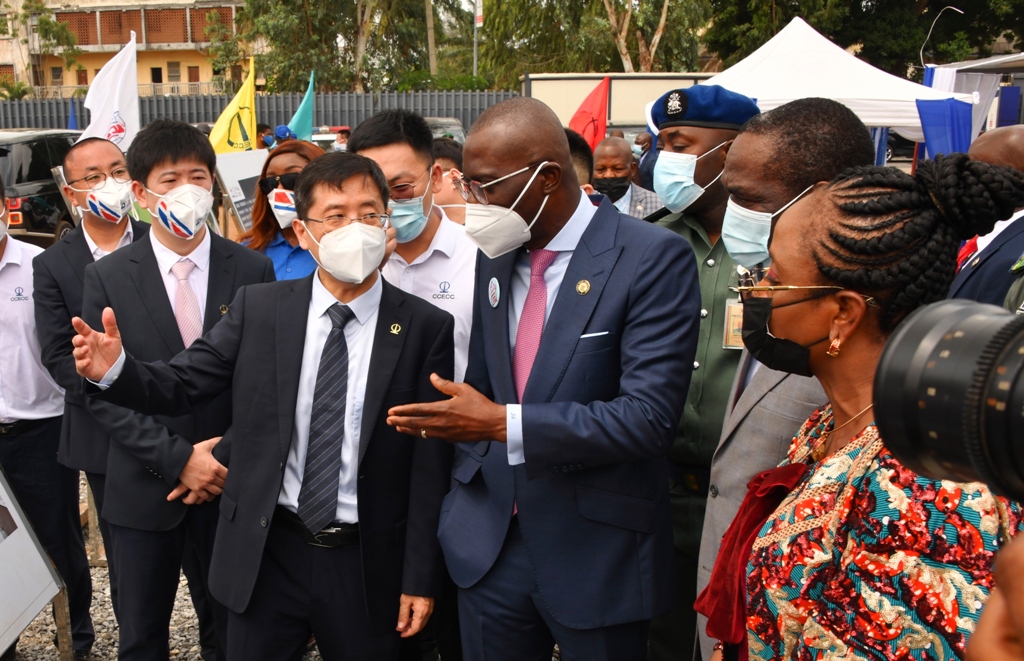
977, 260
223, 309
583, 287
493, 292
395, 329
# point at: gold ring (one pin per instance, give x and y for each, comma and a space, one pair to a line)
423, 433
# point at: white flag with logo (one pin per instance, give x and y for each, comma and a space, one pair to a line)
113, 100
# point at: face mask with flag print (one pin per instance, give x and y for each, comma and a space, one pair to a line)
112, 201
183, 210
282, 203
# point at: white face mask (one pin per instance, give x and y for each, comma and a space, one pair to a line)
183, 210
351, 253
3, 221
497, 230
282, 204
111, 202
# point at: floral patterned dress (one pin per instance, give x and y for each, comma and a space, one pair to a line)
865, 559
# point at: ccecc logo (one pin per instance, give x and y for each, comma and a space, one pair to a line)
444, 286
19, 294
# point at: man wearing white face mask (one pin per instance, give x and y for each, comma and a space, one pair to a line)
695, 128
329, 517
169, 289
434, 259
99, 185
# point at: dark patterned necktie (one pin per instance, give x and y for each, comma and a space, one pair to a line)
318, 497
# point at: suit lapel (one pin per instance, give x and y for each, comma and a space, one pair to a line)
1015, 228
145, 273
592, 261
494, 321
760, 384
388, 340
76, 251
290, 338
220, 285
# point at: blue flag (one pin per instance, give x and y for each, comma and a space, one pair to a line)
72, 119
302, 122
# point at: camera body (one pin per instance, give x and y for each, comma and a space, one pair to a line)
949, 395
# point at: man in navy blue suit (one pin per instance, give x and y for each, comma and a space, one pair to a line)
987, 262
558, 529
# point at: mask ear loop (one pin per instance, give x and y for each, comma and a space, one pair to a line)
526, 188
793, 201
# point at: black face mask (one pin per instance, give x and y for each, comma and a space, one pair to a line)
773, 352
613, 187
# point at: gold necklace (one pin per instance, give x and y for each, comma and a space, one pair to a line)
818, 453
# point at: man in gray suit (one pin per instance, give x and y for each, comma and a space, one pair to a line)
776, 157
614, 167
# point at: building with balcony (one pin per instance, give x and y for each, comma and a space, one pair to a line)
172, 46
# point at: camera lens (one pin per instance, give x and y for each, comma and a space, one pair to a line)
949, 394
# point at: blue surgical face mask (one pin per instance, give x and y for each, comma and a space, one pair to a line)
673, 179
746, 232
268, 140
637, 149
408, 219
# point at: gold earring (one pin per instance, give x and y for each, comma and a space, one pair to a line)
833, 349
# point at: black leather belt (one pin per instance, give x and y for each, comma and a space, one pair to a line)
333, 536
21, 426
693, 478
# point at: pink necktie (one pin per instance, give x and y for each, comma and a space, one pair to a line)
531, 321
186, 306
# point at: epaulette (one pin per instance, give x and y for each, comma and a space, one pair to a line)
1018, 267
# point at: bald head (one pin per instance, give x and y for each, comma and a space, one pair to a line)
1002, 146
616, 148
613, 159
525, 127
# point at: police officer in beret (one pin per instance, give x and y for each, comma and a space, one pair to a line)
695, 127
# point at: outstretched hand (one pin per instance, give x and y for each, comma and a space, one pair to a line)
96, 352
466, 417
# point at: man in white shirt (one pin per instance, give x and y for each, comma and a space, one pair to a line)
31, 410
434, 260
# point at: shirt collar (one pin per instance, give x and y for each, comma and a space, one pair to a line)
12, 253
278, 239
363, 306
125, 239
569, 236
446, 238
167, 258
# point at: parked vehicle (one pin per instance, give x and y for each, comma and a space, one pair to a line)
447, 127
36, 206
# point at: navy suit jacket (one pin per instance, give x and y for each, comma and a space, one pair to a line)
646, 169
986, 278
599, 416
58, 281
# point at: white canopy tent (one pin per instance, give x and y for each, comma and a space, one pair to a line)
799, 62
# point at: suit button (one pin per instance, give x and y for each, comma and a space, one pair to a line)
703, 314
710, 262
263, 522
714, 491
281, 466
696, 365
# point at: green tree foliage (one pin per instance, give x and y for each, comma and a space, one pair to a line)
889, 33
54, 37
10, 90
225, 52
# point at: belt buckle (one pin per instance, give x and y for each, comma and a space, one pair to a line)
319, 543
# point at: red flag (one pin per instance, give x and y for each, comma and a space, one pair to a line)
591, 119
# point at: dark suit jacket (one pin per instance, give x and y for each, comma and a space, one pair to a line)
986, 277
401, 479
59, 275
148, 453
646, 169
599, 416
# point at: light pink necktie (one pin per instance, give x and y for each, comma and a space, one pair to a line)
186, 306
531, 321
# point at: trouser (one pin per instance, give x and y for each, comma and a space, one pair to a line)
503, 618
97, 484
48, 495
192, 567
304, 590
673, 636
148, 572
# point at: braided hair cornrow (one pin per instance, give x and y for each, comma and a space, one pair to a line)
895, 236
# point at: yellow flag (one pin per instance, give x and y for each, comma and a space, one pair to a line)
235, 129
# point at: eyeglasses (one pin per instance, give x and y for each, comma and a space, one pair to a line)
287, 181
465, 186
332, 223
97, 179
406, 191
748, 289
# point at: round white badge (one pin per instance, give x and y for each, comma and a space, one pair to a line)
493, 292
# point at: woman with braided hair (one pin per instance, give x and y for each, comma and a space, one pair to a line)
841, 552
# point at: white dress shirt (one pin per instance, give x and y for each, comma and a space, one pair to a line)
359, 338
564, 244
984, 241
443, 275
99, 253
27, 392
622, 204
198, 278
